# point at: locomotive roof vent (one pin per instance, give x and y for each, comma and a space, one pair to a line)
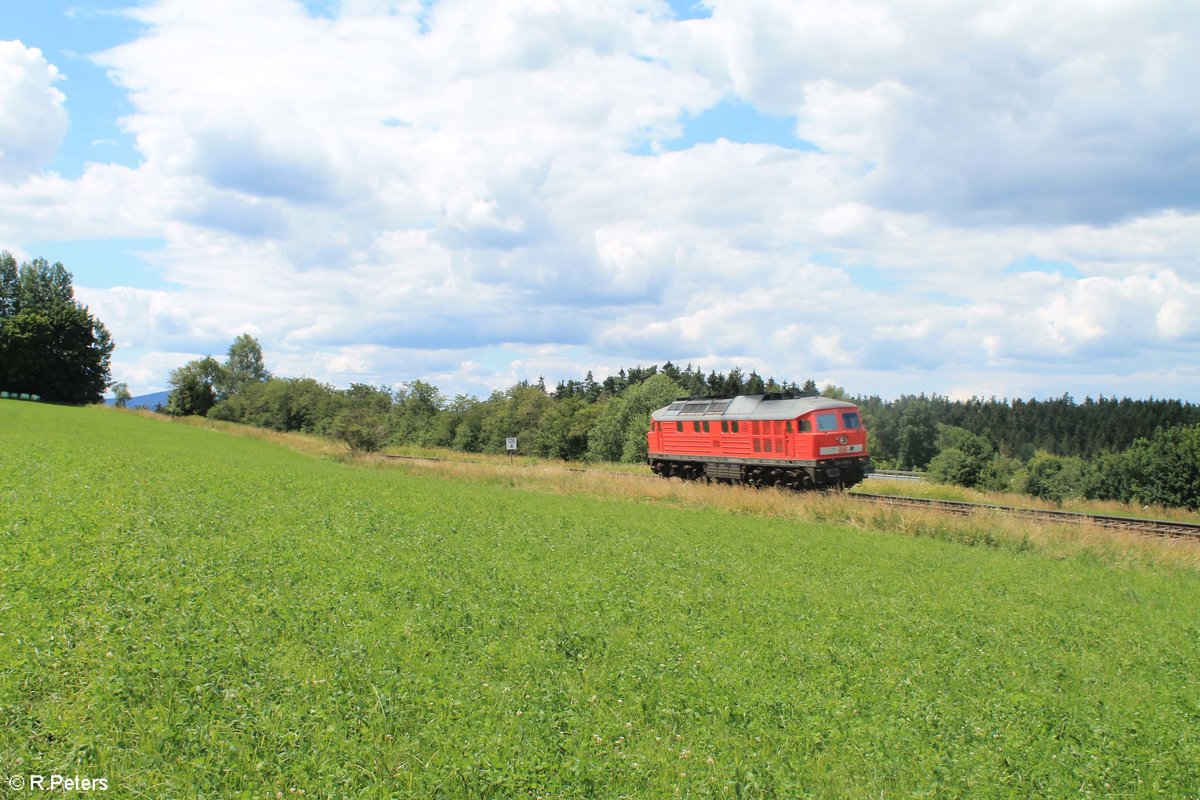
788, 395
750, 406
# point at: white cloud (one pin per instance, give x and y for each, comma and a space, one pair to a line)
463, 190
1068, 112
34, 121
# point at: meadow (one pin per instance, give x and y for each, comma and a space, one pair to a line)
188, 613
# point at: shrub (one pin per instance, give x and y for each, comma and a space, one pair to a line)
362, 429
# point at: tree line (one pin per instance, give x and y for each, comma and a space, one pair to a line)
1144, 451
1132, 450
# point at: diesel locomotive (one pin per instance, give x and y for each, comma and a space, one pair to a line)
800, 441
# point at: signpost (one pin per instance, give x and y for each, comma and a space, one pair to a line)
510, 444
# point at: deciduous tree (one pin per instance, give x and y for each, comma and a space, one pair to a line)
50, 345
243, 366
193, 387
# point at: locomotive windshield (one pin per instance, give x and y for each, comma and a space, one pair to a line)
850, 420
827, 422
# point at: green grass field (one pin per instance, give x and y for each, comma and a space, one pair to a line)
187, 613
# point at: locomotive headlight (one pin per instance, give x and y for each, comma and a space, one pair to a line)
842, 439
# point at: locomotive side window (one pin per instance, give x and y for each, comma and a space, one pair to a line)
806, 426
695, 427
789, 426
679, 427
850, 420
706, 426
827, 422
724, 426
735, 430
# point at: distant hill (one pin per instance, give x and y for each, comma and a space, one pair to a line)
150, 401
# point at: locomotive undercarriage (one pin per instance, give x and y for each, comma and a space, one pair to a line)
831, 474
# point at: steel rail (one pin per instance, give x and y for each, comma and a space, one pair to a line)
1158, 527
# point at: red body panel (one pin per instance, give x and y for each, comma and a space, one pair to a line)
761, 439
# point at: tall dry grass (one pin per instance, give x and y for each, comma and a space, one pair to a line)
984, 528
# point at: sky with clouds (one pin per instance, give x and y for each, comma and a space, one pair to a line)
970, 198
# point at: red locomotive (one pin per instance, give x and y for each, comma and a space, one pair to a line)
797, 441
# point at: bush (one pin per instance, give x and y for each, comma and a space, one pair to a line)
1161, 470
962, 458
360, 428
1052, 477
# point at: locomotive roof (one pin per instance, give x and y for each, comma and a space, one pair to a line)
746, 406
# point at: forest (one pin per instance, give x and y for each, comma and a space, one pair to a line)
1142, 451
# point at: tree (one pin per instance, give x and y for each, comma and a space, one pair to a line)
517, 412
961, 459
1163, 469
50, 345
619, 433
916, 435
121, 394
607, 437
282, 404
243, 366
362, 428
413, 416
193, 387
834, 392
1052, 477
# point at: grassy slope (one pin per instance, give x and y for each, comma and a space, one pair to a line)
191, 614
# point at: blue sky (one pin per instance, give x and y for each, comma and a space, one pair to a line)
67, 33
887, 197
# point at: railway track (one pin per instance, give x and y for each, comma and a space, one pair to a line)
1166, 528
1157, 527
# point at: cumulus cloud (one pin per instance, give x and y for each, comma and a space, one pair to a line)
34, 121
1021, 112
466, 189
